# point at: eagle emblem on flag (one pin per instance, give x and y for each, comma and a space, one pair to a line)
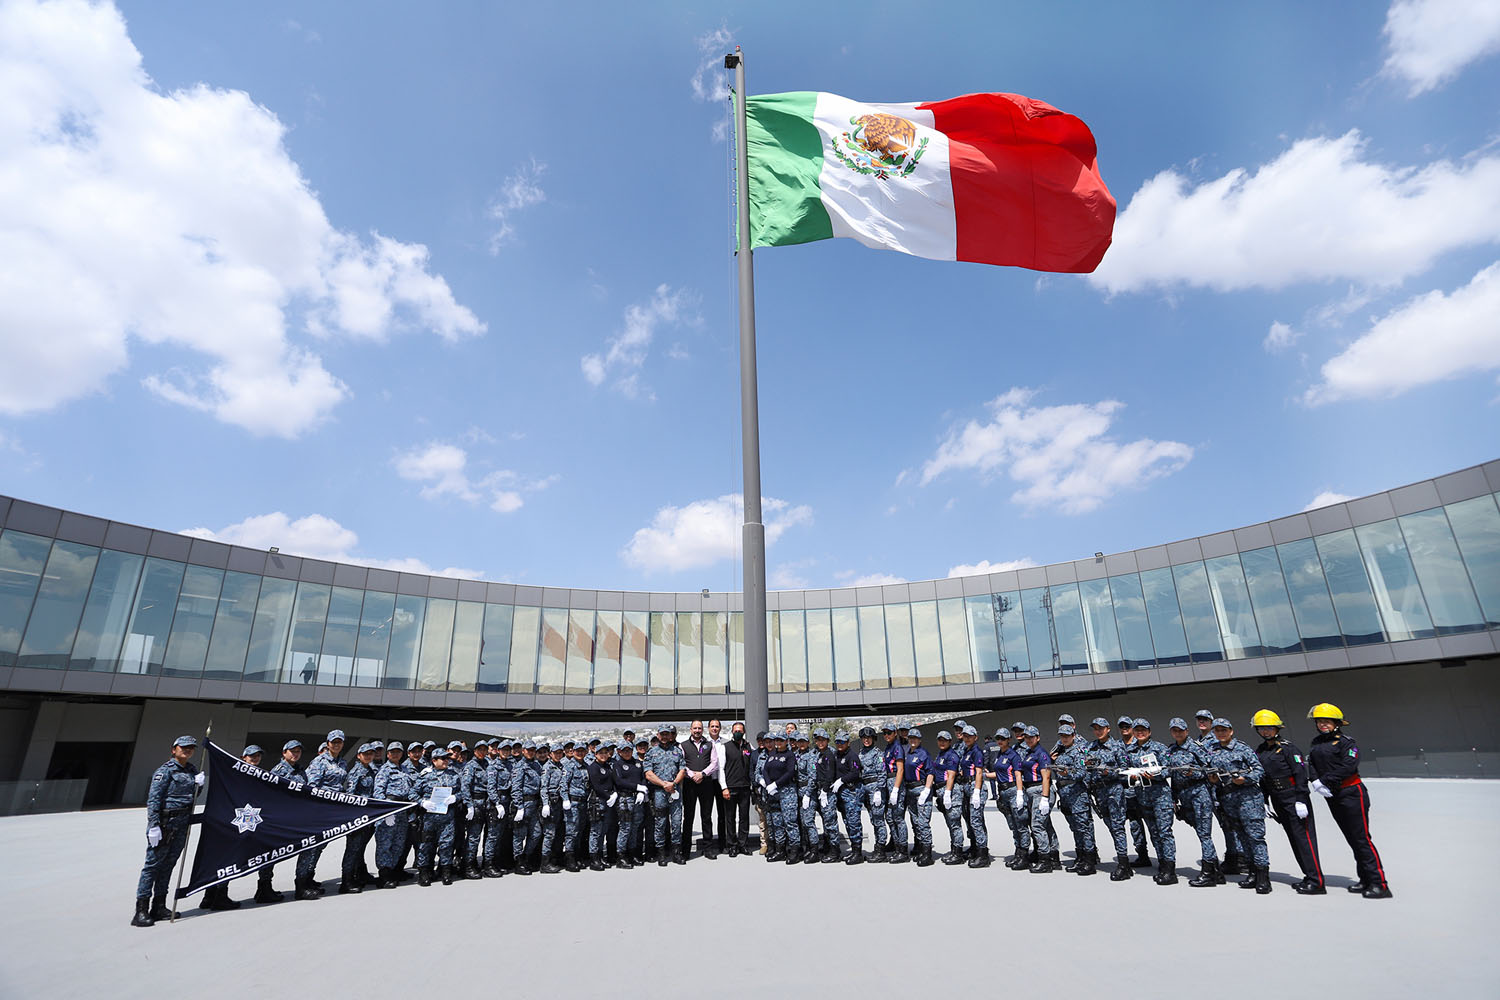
882, 145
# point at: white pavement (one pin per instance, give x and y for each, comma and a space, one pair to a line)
736, 928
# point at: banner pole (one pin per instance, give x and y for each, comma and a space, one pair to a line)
182, 860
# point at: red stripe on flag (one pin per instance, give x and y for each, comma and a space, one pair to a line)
1026, 184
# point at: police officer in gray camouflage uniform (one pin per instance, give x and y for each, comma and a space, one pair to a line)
169, 813
1147, 758
665, 769
437, 822
353, 874
1188, 764
1237, 775
394, 783
525, 807
872, 788
328, 773
575, 800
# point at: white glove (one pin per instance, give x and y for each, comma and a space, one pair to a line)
1131, 772
1301, 808
640, 797
879, 799
1043, 806
613, 798
974, 799
469, 814
947, 798
837, 785
922, 796
522, 814
427, 804
771, 788
390, 821
1321, 789
1020, 799
822, 800
807, 802
198, 779
546, 810
674, 796
567, 805
153, 836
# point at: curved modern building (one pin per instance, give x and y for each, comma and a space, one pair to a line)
119, 635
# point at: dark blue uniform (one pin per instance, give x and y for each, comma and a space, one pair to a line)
1334, 760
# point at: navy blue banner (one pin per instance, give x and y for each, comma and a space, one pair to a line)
255, 818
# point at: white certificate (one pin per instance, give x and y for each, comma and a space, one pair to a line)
441, 796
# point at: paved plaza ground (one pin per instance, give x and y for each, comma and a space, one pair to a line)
738, 928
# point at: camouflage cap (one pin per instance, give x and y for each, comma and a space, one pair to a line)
904, 725
1101, 722
414, 745
802, 738
666, 727
970, 730
841, 737
914, 733
1203, 713
1142, 724
643, 742
943, 734
1178, 722
557, 748
456, 745
888, 728
820, 732
1001, 734
394, 745
428, 744
292, 745
336, 734
1065, 717
251, 750
1066, 730
441, 753
1018, 725
185, 741
1223, 723
495, 742
780, 738
959, 724
1125, 720
1032, 731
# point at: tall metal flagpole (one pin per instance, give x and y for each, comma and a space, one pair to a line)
753, 533
182, 858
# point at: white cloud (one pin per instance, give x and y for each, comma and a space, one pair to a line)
520, 191
705, 532
1430, 338
1325, 499
848, 579
709, 81
315, 537
1320, 211
789, 576
180, 219
1430, 41
443, 468
626, 351
1060, 455
1280, 337
985, 566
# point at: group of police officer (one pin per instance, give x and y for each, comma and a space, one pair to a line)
521, 806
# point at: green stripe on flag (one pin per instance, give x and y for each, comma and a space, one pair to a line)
786, 156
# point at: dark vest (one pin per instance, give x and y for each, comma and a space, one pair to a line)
737, 765
695, 759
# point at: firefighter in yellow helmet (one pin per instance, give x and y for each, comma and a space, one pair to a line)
1286, 791
1333, 766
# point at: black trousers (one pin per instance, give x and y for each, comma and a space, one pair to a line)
1351, 811
700, 794
738, 809
721, 806
1301, 834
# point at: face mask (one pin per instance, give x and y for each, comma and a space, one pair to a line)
739, 737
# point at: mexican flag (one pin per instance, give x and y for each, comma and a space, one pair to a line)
988, 178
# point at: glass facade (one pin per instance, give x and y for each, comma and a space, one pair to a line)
71, 606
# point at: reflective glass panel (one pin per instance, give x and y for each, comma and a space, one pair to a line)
1344, 569
552, 652
308, 616
580, 652
1226, 584
1311, 605
494, 652
273, 619
819, 651
1010, 630
376, 618
953, 627
59, 605
187, 647
107, 612
873, 670
340, 637
232, 624
1397, 593
468, 633
737, 653
927, 642
1067, 620
633, 653
982, 643
898, 644
689, 652
1099, 626
1440, 569
1129, 603
1037, 610
846, 676
1198, 616
793, 652
1273, 611
22, 558
715, 652
1476, 526
437, 642
406, 642
151, 622
663, 666
1160, 592
606, 653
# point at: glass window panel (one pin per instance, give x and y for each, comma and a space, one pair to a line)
468, 633
494, 652
898, 644
1268, 595
773, 650
552, 651
197, 601
927, 642
953, 627
308, 615
406, 642
1129, 602
376, 617
580, 676
982, 643
59, 605
1394, 582
633, 646
872, 664
1010, 630
1476, 526
273, 619
737, 653
1160, 592
340, 637
1344, 569
232, 623
819, 651
107, 611
151, 622
22, 558
662, 677
525, 639
437, 642
1440, 569
606, 653
1226, 585
689, 652
1311, 605
1067, 620
846, 676
1099, 626
793, 652
1198, 617
715, 652
1036, 610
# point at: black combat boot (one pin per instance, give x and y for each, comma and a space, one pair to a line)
1356, 887
831, 853
1211, 874
1374, 892
878, 858
1262, 881
1233, 864
1020, 860
1087, 862
679, 858
1166, 873
981, 859
572, 864
217, 898
1248, 882
305, 889
953, 857
1122, 870
264, 893
550, 867
856, 854
1042, 865
424, 876
1072, 866
491, 871
471, 871
142, 916
1310, 887
794, 852
447, 872
924, 857
1142, 858
596, 863
897, 855
159, 909
349, 885
1056, 858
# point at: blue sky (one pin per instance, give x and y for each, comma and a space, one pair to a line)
448, 287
